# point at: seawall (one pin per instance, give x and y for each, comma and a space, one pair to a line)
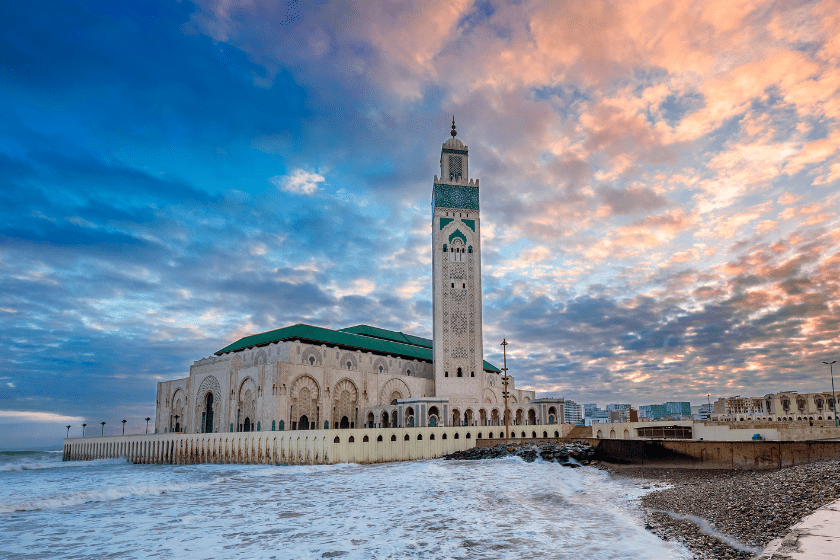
301, 447
714, 454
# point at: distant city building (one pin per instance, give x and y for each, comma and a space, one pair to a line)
701, 412
653, 411
618, 407
787, 406
574, 412
678, 409
588, 409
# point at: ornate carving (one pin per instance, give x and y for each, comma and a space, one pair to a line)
311, 357
209, 385
345, 400
305, 394
348, 361
380, 365
394, 389
456, 196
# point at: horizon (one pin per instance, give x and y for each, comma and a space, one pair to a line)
659, 191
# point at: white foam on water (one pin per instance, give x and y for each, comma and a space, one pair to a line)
502, 508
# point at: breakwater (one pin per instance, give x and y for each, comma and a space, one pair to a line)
300, 447
568, 454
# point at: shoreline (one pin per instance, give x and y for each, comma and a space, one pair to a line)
743, 509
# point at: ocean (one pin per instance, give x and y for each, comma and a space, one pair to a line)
435, 509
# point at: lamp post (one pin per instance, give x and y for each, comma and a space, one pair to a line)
83, 429
103, 428
505, 392
123, 423
833, 394
147, 425
68, 431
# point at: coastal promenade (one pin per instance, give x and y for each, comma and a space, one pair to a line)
815, 537
298, 447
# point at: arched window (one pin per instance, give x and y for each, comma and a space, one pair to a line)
472, 374
444, 247
365, 439
311, 360
446, 374
460, 373
336, 440
406, 438
379, 438
469, 249
394, 437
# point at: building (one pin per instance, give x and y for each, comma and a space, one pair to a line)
574, 412
679, 409
653, 411
787, 406
304, 377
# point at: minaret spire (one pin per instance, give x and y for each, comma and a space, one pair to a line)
454, 132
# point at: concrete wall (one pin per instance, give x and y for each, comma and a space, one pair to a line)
715, 454
724, 431
304, 447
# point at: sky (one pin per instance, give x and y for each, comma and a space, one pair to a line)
659, 190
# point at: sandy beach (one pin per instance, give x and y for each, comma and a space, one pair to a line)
731, 514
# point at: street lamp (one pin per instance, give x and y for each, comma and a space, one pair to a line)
833, 394
123, 423
505, 393
103, 428
147, 425
83, 429
68, 431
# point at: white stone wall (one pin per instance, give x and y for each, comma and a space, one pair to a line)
269, 384
295, 447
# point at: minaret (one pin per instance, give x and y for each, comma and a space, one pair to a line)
456, 277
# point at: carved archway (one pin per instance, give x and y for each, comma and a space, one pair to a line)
209, 385
489, 396
246, 405
305, 394
393, 389
345, 402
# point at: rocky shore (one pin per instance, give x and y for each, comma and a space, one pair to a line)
732, 514
567, 454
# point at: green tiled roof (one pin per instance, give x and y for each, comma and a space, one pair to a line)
360, 337
396, 336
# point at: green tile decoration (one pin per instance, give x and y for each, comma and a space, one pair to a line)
456, 196
446, 221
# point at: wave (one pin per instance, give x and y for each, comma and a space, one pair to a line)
100, 495
49, 463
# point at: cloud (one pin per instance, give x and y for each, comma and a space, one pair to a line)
299, 182
43, 417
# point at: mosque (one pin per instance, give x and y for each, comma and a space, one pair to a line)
304, 377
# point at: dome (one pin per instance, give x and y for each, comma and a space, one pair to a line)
454, 143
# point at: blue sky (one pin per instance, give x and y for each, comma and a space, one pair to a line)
659, 190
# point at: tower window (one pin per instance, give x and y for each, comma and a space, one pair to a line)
469, 249
453, 284
472, 374
464, 286
460, 373
444, 248
446, 374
